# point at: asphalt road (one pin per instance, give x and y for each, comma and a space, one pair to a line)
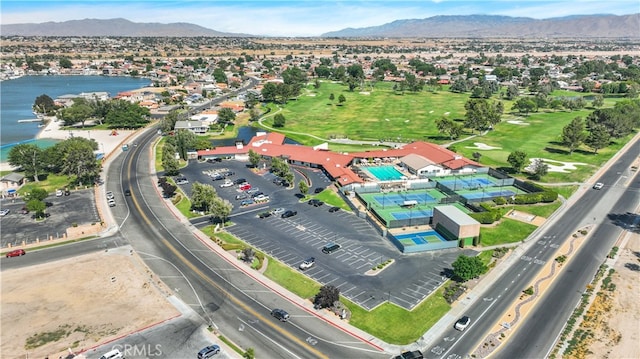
216, 289
534, 338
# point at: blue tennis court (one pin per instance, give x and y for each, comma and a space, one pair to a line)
489, 194
459, 183
399, 199
419, 213
420, 237
385, 173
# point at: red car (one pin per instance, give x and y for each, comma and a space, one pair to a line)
16, 253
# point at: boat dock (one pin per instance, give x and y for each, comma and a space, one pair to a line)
30, 120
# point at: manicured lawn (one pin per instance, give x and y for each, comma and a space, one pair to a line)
541, 210
50, 184
509, 231
330, 198
297, 283
396, 325
381, 114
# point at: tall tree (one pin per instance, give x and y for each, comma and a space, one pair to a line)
184, 141
226, 116
79, 159
202, 196
449, 127
221, 208
254, 158
29, 158
598, 138
279, 120
539, 169
169, 161
327, 296
44, 105
79, 111
517, 159
573, 134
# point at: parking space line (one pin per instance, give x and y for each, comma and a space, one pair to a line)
319, 279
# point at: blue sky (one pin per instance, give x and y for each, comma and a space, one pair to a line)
296, 18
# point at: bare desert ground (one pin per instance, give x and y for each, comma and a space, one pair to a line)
617, 333
77, 303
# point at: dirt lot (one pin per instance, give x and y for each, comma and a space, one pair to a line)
77, 303
618, 334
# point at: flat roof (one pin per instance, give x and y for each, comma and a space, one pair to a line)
456, 214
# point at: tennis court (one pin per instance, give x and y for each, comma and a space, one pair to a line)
418, 238
393, 199
384, 173
416, 213
459, 183
490, 193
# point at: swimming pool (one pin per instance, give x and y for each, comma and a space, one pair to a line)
384, 173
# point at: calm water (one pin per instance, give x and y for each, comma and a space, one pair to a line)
17, 98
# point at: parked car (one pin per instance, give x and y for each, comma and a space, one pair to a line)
253, 190
257, 194
217, 176
415, 354
280, 314
4, 212
16, 253
59, 193
330, 248
245, 187
598, 185
277, 211
110, 195
318, 190
67, 192
241, 196
24, 210
113, 354
261, 198
334, 209
239, 181
209, 351
315, 202
111, 202
182, 180
246, 202
228, 173
308, 263
264, 214
462, 323
288, 213
226, 183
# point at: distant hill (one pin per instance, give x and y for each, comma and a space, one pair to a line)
488, 26
111, 27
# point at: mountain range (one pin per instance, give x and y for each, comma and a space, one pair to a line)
464, 26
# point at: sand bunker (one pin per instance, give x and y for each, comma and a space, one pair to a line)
482, 146
518, 122
556, 166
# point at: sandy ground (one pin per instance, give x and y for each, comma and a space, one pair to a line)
107, 141
91, 298
619, 335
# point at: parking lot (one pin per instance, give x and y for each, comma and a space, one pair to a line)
78, 207
406, 282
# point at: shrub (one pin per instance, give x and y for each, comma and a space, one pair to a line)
500, 201
528, 291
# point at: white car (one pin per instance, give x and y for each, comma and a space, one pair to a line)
182, 181
226, 183
277, 211
261, 198
112, 202
598, 185
59, 193
4, 212
308, 263
462, 323
110, 195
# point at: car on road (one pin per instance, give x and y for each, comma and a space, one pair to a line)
16, 253
110, 195
4, 212
315, 202
330, 248
111, 202
414, 354
226, 183
462, 323
308, 263
598, 185
209, 351
113, 354
277, 211
182, 180
127, 192
23, 210
334, 209
280, 314
288, 213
